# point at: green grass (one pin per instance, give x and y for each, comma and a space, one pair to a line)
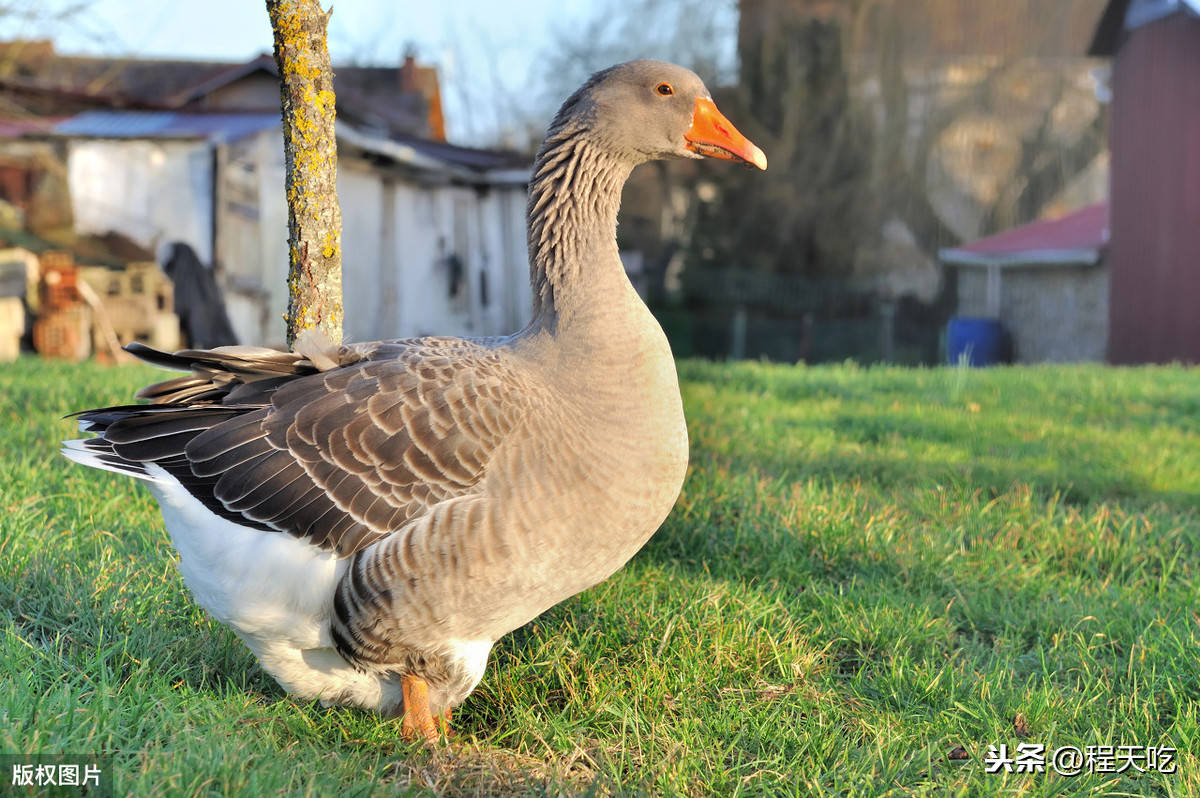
867, 569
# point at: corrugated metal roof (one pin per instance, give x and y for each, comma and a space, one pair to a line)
473, 165
165, 125
470, 157
1072, 239
440, 157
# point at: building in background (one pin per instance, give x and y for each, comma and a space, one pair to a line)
1155, 141
1047, 282
163, 152
894, 130
401, 100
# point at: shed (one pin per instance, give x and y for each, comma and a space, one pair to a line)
433, 238
1155, 191
1046, 281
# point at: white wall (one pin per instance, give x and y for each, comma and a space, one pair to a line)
512, 202
151, 191
367, 308
433, 222
252, 237
398, 234
426, 239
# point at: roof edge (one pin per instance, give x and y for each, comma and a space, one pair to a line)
1087, 256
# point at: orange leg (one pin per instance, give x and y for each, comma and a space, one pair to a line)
418, 721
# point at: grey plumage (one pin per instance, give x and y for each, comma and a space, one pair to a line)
441, 491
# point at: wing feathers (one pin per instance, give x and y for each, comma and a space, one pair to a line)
223, 439
287, 486
238, 482
340, 448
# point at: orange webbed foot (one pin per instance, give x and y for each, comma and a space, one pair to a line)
418, 721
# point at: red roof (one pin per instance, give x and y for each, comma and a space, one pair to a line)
1077, 237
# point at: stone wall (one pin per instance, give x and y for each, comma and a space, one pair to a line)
1055, 313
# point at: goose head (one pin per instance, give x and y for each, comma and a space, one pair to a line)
648, 110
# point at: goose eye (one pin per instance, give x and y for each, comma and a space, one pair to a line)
665, 89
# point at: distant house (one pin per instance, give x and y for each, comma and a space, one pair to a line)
1047, 282
394, 100
1155, 141
433, 237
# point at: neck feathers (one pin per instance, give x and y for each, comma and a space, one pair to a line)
573, 202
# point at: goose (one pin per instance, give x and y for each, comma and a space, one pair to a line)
371, 518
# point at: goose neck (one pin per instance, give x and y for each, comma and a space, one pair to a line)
573, 203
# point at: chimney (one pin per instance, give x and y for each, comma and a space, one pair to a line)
408, 71
420, 80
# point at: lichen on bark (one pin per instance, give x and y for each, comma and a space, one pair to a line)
310, 152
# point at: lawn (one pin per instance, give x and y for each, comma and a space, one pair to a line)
872, 576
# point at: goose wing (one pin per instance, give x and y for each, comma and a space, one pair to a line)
339, 450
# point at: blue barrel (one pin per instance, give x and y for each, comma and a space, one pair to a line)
982, 342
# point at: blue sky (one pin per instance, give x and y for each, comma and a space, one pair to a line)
488, 51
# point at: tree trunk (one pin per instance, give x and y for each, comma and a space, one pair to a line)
310, 150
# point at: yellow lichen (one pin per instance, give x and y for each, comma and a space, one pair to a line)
314, 223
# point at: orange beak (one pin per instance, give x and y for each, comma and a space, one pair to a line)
713, 135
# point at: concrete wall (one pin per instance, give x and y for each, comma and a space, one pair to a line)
1055, 314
